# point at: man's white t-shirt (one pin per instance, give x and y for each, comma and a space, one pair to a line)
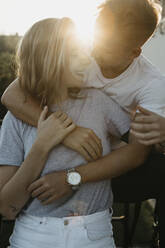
141, 84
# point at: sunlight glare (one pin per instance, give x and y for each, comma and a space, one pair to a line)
84, 15
28, 12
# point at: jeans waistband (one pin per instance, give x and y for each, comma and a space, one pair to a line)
73, 220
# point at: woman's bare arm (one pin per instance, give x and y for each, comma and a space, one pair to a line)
14, 182
27, 109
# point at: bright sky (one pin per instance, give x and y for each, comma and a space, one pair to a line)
19, 15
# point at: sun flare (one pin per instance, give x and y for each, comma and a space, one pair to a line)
26, 13
84, 15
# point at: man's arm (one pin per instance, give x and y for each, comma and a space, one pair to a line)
112, 165
82, 140
26, 109
116, 163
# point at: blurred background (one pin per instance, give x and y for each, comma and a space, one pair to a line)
16, 16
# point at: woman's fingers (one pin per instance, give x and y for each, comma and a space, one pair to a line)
38, 191
70, 128
63, 117
58, 113
44, 196
67, 122
53, 197
43, 115
34, 186
49, 200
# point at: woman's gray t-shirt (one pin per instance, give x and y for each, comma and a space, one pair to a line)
96, 111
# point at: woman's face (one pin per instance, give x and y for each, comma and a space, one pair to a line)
77, 61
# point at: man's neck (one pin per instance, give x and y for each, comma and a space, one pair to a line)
112, 72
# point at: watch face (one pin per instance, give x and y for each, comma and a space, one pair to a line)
74, 178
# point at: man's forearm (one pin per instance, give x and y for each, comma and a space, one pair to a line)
24, 108
114, 164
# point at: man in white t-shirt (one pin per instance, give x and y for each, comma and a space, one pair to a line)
131, 80
122, 27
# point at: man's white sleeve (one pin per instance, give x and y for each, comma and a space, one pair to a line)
152, 97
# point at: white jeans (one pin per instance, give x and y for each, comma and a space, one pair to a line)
92, 231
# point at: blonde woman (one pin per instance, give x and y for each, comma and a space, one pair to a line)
51, 63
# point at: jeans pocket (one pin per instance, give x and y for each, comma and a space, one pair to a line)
99, 230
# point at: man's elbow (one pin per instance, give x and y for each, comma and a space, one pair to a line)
5, 98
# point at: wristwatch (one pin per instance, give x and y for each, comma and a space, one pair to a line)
73, 178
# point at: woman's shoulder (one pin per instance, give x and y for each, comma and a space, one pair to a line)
11, 121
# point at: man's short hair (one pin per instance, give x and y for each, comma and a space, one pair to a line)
135, 19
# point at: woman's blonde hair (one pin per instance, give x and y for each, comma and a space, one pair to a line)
41, 57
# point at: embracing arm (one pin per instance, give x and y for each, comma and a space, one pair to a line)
83, 140
116, 163
26, 109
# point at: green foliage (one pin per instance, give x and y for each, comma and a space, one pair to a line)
7, 71
7, 63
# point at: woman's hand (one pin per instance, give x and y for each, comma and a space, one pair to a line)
52, 130
50, 187
148, 127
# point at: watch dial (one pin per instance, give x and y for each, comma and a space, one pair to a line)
74, 178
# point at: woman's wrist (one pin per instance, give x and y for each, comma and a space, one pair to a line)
41, 148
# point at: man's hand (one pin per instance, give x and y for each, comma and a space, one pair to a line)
85, 142
50, 187
148, 127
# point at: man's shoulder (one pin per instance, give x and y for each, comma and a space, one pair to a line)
143, 74
148, 69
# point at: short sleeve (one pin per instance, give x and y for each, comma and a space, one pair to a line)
117, 120
152, 97
11, 144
